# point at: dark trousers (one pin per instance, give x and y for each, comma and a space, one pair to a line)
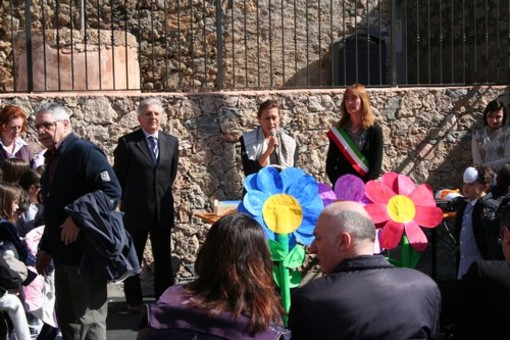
163, 274
81, 304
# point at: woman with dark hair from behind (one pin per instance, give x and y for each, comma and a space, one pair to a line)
233, 296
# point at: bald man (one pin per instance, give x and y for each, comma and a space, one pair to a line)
361, 295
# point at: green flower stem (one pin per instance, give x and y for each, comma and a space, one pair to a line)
283, 240
406, 252
410, 256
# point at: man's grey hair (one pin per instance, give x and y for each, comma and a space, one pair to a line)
147, 102
360, 227
58, 111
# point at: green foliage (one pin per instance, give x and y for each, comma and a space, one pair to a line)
295, 257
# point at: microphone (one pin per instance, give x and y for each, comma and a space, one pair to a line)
272, 133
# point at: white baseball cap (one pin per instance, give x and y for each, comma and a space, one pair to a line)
470, 175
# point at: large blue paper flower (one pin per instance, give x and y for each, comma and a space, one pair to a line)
283, 202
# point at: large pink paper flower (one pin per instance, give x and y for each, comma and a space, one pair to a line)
398, 205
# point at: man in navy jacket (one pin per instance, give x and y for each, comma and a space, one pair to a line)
74, 167
146, 165
361, 295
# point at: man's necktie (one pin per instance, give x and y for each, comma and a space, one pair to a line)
153, 144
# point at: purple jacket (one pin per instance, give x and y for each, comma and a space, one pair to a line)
24, 153
171, 318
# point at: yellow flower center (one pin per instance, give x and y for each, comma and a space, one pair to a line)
282, 213
401, 209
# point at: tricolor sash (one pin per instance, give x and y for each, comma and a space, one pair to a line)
349, 149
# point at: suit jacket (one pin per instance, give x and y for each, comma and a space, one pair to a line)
366, 298
478, 304
146, 185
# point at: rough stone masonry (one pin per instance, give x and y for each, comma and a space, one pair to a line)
427, 135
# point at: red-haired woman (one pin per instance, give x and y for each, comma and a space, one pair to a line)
356, 142
233, 297
13, 121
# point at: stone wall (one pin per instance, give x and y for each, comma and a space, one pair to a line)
427, 134
228, 44
264, 44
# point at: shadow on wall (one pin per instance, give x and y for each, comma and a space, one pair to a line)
317, 73
355, 50
451, 139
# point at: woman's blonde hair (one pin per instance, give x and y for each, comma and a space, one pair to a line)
367, 117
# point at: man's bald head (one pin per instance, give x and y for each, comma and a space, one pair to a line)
335, 208
343, 230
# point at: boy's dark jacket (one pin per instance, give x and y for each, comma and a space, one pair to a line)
485, 226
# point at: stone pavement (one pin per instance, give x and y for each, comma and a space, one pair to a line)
120, 324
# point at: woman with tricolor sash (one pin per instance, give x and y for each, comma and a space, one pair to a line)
356, 141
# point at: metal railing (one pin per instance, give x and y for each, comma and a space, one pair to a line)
210, 45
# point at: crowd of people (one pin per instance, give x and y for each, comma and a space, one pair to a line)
26, 297
47, 288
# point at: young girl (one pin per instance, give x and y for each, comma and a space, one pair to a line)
30, 181
10, 240
10, 195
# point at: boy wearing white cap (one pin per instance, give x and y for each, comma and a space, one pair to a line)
474, 218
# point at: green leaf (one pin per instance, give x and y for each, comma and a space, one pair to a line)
295, 257
415, 256
276, 275
295, 279
277, 252
394, 262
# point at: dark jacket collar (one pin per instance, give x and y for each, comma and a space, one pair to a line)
363, 262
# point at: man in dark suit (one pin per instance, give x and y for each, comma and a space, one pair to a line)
361, 295
146, 165
477, 306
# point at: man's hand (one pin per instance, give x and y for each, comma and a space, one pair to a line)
43, 263
273, 143
70, 231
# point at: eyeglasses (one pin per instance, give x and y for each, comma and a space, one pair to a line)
45, 125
